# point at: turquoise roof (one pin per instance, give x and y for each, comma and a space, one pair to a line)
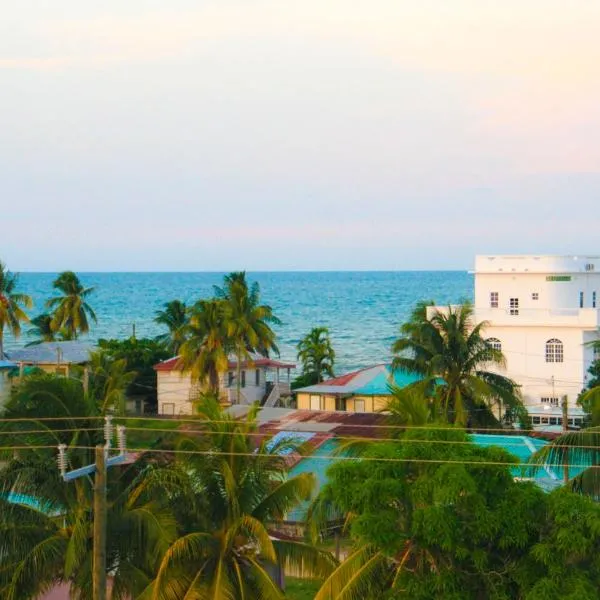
379, 385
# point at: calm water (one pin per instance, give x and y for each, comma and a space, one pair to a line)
362, 309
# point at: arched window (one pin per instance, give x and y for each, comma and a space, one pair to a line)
554, 351
494, 344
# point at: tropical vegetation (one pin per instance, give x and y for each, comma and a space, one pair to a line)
316, 355
175, 318
43, 330
453, 358
71, 309
247, 321
432, 516
12, 305
205, 352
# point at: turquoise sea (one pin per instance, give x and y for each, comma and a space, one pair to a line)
362, 309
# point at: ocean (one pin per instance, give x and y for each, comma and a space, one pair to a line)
363, 310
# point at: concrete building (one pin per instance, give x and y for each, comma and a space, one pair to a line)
366, 390
542, 312
263, 380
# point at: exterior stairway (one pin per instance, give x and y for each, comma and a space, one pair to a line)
278, 390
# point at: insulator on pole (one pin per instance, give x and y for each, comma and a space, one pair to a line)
108, 430
62, 459
121, 439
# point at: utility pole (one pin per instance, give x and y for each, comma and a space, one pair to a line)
86, 379
99, 467
99, 562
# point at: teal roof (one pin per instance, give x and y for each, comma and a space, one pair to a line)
379, 385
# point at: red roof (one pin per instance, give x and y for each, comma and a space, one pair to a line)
343, 379
171, 364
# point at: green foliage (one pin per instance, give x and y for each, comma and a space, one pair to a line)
316, 354
565, 560
71, 309
43, 330
205, 352
248, 322
228, 510
12, 305
175, 317
110, 378
140, 355
428, 530
449, 351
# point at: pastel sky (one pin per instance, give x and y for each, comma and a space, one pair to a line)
276, 135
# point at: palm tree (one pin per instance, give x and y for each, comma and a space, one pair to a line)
236, 497
581, 448
248, 322
175, 317
46, 523
11, 305
71, 310
47, 529
109, 382
449, 351
205, 351
43, 331
316, 354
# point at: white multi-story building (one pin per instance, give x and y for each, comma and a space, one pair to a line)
542, 312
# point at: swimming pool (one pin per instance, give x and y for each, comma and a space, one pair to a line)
521, 446
290, 436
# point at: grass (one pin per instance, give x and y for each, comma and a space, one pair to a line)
301, 589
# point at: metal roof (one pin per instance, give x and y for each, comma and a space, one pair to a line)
256, 360
372, 381
52, 353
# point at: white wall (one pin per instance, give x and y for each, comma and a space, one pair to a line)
174, 389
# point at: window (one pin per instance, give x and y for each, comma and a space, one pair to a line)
535, 420
535, 296
495, 344
593, 299
549, 400
553, 421
340, 403
554, 351
243, 378
513, 306
315, 403
257, 377
580, 299
493, 299
230, 379
590, 267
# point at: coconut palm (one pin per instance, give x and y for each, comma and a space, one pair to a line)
576, 456
43, 331
46, 524
316, 354
237, 496
12, 304
451, 354
71, 309
175, 317
205, 351
47, 527
110, 379
248, 322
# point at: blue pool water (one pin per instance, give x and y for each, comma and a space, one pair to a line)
521, 447
290, 436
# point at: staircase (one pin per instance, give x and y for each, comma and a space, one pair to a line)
278, 390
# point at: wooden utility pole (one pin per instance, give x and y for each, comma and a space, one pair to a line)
86, 380
99, 563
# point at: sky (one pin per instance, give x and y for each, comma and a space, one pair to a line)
279, 135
